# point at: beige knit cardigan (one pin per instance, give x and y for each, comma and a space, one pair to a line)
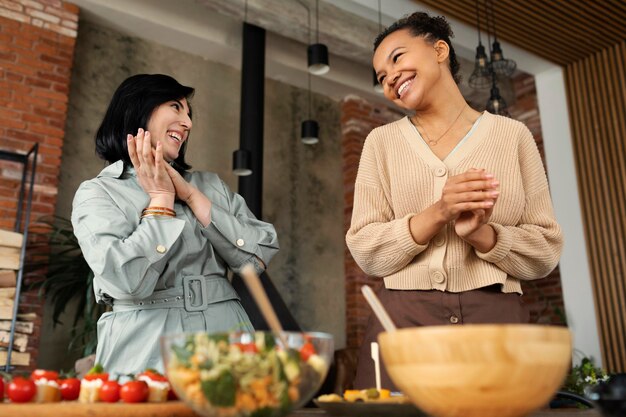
400, 176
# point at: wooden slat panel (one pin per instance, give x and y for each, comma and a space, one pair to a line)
562, 31
597, 101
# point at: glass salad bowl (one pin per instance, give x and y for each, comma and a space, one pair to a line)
240, 374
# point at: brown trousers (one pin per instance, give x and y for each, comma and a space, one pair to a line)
435, 308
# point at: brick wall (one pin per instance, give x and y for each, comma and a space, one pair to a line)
37, 39
544, 297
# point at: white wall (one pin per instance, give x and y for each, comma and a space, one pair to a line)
575, 274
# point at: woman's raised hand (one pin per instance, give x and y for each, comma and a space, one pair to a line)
151, 169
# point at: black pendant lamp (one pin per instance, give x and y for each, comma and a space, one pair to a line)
501, 66
309, 133
481, 76
317, 53
496, 104
242, 162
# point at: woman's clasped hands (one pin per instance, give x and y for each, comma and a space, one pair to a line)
468, 199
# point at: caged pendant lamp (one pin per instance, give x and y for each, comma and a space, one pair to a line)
317, 53
496, 104
501, 66
481, 76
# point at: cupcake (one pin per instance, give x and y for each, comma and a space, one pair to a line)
47, 383
157, 384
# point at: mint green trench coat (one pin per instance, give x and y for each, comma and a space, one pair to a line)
163, 275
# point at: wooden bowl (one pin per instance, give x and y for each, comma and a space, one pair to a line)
478, 370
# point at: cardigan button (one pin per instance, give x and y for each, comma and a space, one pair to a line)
454, 319
438, 277
441, 171
440, 240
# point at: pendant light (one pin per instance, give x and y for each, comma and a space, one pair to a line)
481, 76
317, 53
501, 66
242, 158
378, 86
309, 133
496, 104
241, 163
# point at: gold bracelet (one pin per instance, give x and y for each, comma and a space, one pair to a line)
159, 214
169, 210
159, 210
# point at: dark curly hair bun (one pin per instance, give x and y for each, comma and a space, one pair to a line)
432, 28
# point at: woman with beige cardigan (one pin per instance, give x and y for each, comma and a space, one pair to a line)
451, 206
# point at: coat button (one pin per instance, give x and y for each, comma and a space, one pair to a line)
454, 319
160, 249
441, 171
438, 277
240, 242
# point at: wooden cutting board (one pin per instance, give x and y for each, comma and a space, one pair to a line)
76, 409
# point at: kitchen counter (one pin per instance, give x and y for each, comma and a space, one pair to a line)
178, 409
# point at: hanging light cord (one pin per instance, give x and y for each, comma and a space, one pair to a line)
493, 20
477, 22
245, 11
317, 21
380, 18
310, 105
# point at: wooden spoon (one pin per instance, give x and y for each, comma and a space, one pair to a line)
253, 282
378, 308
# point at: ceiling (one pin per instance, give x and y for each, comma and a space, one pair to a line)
561, 31
212, 29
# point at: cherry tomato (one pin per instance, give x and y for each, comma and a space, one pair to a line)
110, 392
21, 390
70, 389
171, 395
247, 347
44, 374
306, 351
134, 392
1, 388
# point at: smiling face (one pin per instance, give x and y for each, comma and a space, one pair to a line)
170, 124
410, 67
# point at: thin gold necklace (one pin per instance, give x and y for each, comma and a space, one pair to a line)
431, 142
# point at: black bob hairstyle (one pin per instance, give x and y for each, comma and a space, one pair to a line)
431, 28
130, 108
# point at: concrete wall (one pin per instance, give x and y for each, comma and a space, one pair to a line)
302, 184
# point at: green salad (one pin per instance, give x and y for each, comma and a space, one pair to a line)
245, 374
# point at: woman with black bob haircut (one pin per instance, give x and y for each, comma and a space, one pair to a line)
159, 238
451, 205
130, 109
